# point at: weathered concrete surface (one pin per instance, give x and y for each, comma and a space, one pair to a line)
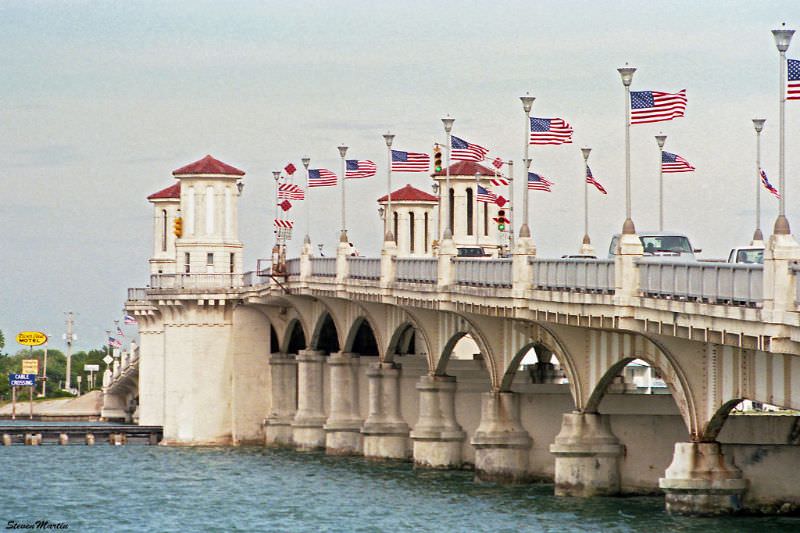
385, 432
437, 437
501, 444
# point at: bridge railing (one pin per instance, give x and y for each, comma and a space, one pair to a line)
137, 294
484, 272
417, 269
293, 266
195, 281
712, 282
584, 275
253, 278
323, 266
364, 268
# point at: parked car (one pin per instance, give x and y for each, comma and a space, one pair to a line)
669, 245
747, 255
472, 251
578, 256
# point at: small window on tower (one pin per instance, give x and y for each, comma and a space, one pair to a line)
233, 261
186, 264
210, 259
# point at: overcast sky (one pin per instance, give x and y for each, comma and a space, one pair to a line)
102, 100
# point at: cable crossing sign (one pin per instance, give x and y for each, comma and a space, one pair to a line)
22, 380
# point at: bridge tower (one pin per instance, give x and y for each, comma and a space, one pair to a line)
413, 221
166, 209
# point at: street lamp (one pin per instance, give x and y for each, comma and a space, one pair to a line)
276, 175
343, 234
758, 124
527, 105
474, 221
388, 236
448, 128
586, 240
783, 38
660, 140
239, 186
626, 73
307, 161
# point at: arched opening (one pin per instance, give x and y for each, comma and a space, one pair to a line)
451, 207
296, 338
745, 407
363, 340
274, 345
165, 221
411, 231
464, 355
470, 210
327, 338
407, 341
395, 219
540, 365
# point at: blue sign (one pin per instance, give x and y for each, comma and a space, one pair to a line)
22, 380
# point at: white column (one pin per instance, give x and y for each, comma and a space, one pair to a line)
343, 427
283, 399
501, 443
307, 427
437, 437
385, 432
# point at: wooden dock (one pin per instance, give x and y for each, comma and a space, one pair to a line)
115, 434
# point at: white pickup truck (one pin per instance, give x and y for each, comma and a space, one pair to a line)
747, 255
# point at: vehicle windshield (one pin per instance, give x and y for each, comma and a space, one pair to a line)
666, 243
471, 252
753, 257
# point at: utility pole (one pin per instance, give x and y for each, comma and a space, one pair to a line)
69, 337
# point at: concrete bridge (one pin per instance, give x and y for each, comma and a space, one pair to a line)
359, 355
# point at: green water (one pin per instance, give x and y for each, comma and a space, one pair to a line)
151, 488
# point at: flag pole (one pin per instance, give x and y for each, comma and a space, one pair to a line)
477, 208
343, 234
527, 104
758, 124
782, 39
276, 175
511, 204
586, 240
627, 77
448, 128
307, 161
661, 139
388, 235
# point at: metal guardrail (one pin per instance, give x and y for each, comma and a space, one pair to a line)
364, 268
195, 281
712, 282
253, 278
484, 272
293, 266
584, 275
323, 266
137, 294
417, 270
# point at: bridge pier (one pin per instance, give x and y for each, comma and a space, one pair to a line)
501, 443
702, 481
307, 427
587, 456
343, 427
283, 396
437, 437
385, 432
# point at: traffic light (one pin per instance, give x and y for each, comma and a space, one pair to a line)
437, 159
501, 220
177, 227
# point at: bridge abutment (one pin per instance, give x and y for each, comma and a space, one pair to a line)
587, 456
702, 481
343, 427
307, 426
385, 432
437, 436
502, 445
283, 402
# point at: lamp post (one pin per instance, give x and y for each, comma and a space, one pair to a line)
587, 242
660, 140
626, 73
437, 190
448, 128
758, 124
511, 238
475, 212
307, 161
527, 105
343, 234
276, 175
388, 235
782, 39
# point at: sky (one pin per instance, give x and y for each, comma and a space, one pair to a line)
102, 100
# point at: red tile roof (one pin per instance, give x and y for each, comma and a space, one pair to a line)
208, 165
173, 191
409, 194
466, 168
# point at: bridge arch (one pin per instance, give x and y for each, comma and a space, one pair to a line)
541, 336
633, 346
326, 334
362, 337
455, 327
294, 338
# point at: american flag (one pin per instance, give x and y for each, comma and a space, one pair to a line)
793, 83
410, 161
656, 106
485, 195
466, 151
538, 183
290, 168
497, 163
128, 319
119, 332
498, 182
550, 131
321, 177
767, 185
671, 163
114, 343
591, 181
361, 168
290, 191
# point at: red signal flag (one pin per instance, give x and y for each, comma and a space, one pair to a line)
285, 205
501, 201
290, 169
